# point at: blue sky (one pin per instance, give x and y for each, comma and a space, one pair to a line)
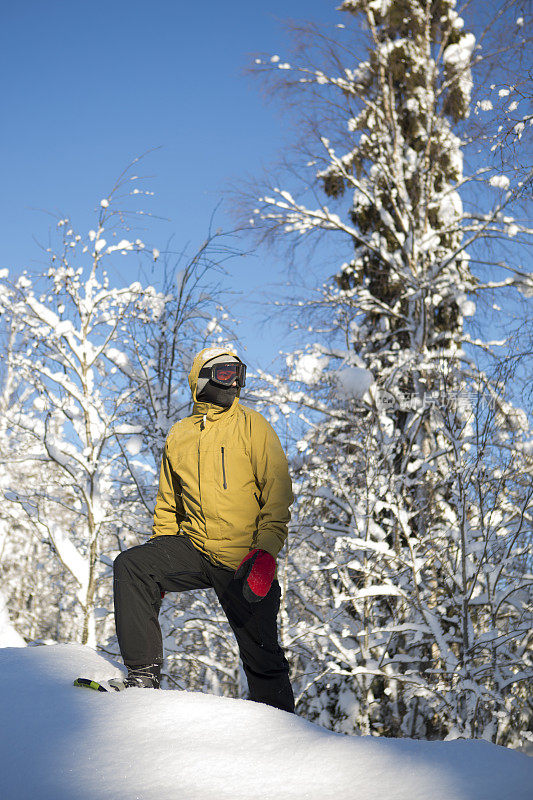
89, 86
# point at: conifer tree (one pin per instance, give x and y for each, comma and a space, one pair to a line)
415, 506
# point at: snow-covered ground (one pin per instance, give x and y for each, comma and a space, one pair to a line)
62, 743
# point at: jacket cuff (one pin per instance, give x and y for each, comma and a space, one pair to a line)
269, 541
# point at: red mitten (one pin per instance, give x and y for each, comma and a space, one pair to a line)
258, 570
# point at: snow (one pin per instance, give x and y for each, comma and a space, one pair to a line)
500, 181
39, 403
9, 637
354, 381
134, 445
59, 742
69, 554
451, 208
308, 367
42, 313
458, 55
468, 308
381, 6
117, 357
124, 244
524, 283
526, 447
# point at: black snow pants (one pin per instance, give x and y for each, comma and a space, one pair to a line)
173, 564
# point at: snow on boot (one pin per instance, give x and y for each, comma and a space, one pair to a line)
145, 677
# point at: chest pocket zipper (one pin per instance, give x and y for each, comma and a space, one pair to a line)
224, 484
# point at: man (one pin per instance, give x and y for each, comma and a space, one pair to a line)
220, 521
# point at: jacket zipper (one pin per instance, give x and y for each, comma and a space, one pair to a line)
225, 485
202, 428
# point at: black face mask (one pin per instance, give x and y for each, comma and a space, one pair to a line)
219, 395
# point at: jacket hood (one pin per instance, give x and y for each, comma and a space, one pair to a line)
202, 358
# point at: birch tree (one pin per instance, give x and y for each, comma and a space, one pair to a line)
31, 591
69, 322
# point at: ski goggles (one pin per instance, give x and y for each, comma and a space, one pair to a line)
225, 374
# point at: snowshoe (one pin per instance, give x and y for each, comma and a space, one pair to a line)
96, 686
147, 677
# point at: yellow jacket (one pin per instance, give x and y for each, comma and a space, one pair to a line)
224, 480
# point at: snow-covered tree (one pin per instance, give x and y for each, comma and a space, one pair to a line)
71, 328
33, 583
410, 573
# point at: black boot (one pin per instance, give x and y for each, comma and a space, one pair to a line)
139, 677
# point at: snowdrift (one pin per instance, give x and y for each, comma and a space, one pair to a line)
62, 743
